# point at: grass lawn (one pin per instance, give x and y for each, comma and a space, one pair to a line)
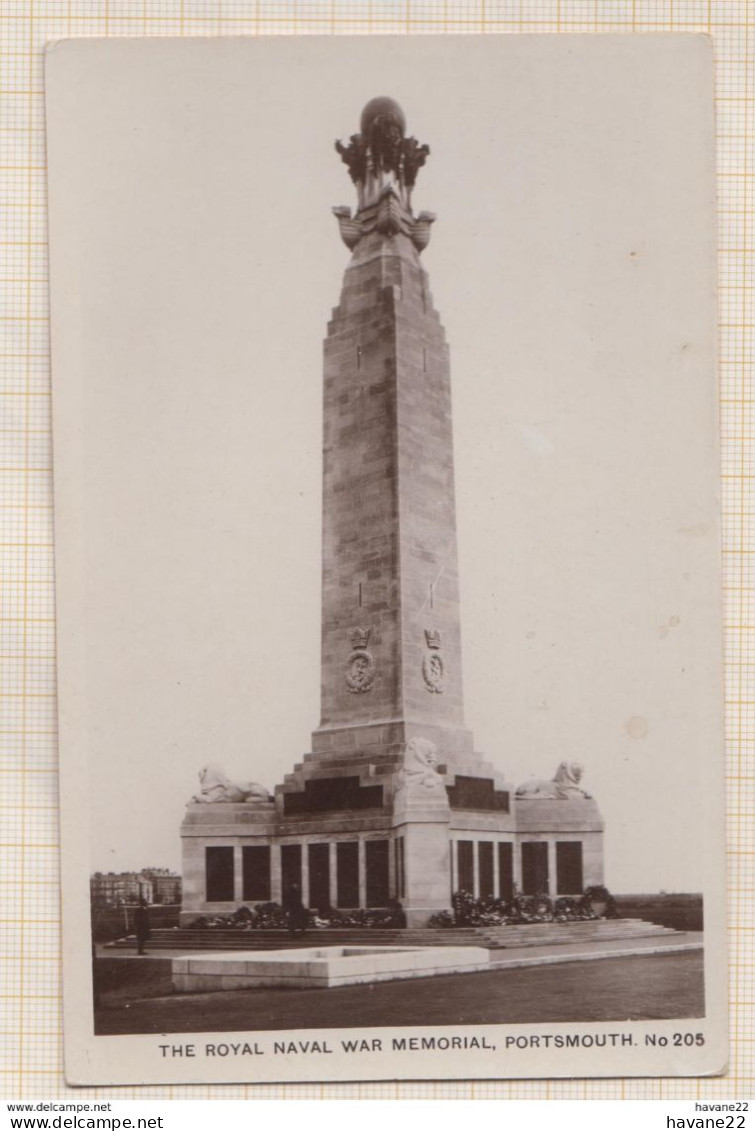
136, 997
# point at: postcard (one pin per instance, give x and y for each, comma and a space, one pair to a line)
388, 557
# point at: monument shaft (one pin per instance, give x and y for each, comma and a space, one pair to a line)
390, 578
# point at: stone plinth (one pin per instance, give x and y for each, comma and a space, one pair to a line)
534, 815
321, 967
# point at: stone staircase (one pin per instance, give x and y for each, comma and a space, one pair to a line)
556, 934
493, 938
221, 939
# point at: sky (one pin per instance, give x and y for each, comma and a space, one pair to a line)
572, 266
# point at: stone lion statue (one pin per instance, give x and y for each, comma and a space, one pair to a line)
564, 785
419, 772
215, 787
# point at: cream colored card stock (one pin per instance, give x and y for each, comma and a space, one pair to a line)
195, 266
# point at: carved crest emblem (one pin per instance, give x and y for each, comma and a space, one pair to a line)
360, 667
360, 672
433, 669
432, 636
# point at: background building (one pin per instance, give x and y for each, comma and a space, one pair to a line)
117, 889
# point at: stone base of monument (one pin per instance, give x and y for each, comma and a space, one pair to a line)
321, 966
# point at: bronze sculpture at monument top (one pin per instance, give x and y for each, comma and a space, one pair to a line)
383, 164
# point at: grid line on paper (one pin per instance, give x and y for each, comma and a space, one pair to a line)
29, 912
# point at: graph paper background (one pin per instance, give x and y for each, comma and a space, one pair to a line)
30, 988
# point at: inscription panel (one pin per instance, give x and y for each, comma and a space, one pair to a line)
534, 867
377, 878
478, 793
569, 873
485, 867
291, 874
255, 870
219, 873
319, 876
465, 850
506, 870
323, 795
347, 873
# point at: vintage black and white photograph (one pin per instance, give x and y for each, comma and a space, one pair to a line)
387, 550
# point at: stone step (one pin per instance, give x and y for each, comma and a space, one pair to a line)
325, 936
578, 925
310, 939
561, 928
223, 939
266, 938
376, 757
363, 768
625, 948
495, 938
551, 934
405, 935
519, 938
515, 937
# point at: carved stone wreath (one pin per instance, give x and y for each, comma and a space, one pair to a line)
433, 669
360, 671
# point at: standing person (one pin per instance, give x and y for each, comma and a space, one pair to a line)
141, 925
297, 913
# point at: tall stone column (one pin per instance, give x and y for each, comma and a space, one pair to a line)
552, 869
391, 647
305, 874
333, 873
362, 871
276, 879
238, 874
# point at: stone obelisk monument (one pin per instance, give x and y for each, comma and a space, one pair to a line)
390, 595
390, 582
392, 804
